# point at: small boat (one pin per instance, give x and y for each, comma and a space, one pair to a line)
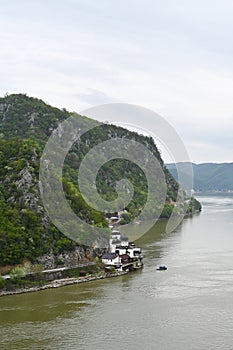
161, 268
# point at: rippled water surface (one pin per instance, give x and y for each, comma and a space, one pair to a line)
189, 306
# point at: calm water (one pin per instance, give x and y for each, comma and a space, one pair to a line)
189, 306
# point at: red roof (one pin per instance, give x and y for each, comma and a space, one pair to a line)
125, 257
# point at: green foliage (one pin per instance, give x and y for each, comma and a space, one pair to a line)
99, 266
16, 275
112, 269
24, 117
27, 268
193, 206
26, 231
2, 282
113, 171
167, 210
125, 218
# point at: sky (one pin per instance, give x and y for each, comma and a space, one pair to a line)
174, 57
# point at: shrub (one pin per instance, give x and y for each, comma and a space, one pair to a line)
16, 274
2, 282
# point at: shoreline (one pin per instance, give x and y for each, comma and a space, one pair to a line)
61, 283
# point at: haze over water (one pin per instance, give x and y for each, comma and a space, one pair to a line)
189, 306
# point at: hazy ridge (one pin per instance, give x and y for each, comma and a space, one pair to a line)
208, 176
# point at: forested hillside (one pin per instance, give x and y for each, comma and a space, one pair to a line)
26, 230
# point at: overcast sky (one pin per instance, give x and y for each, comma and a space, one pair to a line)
174, 57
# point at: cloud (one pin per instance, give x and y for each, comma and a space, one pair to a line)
95, 97
174, 57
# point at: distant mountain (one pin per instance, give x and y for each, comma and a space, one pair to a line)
207, 176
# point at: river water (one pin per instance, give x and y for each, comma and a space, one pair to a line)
187, 307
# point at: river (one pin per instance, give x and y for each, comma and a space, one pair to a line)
189, 306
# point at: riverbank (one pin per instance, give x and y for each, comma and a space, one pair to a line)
61, 283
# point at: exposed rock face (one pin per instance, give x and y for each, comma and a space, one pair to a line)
29, 186
25, 180
24, 188
68, 259
26, 229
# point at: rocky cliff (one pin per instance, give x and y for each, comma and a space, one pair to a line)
26, 231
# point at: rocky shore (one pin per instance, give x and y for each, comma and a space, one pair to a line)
61, 283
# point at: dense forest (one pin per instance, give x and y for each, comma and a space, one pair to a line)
26, 231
